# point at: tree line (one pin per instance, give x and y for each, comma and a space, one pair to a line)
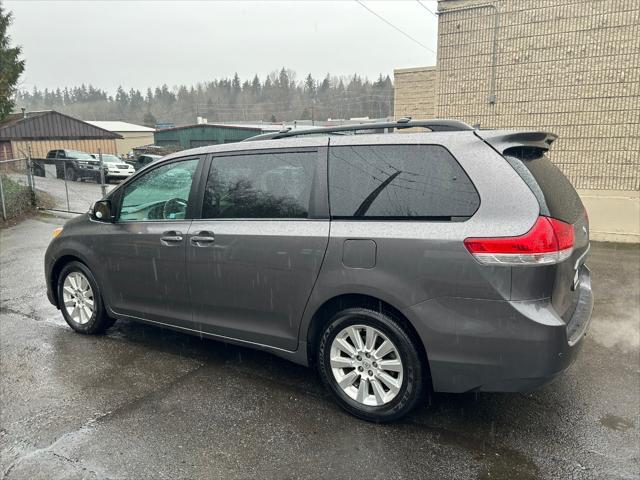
277, 97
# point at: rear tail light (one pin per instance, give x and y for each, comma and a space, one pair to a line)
549, 241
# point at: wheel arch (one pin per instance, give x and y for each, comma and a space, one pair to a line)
349, 300
56, 269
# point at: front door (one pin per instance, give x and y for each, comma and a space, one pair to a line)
254, 256
144, 250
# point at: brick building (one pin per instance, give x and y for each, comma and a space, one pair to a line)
568, 66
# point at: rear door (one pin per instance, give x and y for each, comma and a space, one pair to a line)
254, 256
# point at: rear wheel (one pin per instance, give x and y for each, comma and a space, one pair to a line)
370, 365
80, 300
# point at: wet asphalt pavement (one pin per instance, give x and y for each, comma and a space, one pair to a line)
146, 403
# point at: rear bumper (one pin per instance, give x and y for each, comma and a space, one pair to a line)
499, 346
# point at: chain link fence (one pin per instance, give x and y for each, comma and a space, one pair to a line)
64, 185
16, 193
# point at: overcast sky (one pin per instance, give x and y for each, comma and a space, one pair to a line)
140, 44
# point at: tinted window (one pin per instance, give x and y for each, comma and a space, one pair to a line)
273, 185
399, 181
160, 194
555, 194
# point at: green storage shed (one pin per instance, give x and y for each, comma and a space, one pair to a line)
191, 136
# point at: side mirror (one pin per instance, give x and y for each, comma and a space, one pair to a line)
102, 211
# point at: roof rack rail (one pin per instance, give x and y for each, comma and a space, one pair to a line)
436, 125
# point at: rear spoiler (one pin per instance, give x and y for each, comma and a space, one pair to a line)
503, 140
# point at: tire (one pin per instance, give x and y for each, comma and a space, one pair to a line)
70, 174
371, 403
74, 278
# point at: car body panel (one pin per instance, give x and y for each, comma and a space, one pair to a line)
253, 281
144, 276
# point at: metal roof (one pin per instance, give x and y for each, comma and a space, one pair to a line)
49, 124
117, 126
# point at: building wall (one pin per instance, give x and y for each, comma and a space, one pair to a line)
415, 92
190, 137
568, 66
40, 148
130, 140
6, 152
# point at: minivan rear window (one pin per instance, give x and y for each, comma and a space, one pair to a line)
415, 182
556, 195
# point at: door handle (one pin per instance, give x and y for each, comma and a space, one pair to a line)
171, 238
202, 239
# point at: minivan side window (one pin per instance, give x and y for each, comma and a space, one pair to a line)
415, 182
266, 185
159, 194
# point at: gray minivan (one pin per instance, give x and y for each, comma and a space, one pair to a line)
450, 259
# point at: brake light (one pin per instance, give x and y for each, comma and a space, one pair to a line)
549, 241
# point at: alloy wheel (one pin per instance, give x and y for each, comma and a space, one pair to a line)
366, 365
78, 298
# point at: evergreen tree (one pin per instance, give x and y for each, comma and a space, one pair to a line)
11, 66
149, 120
279, 97
256, 88
310, 86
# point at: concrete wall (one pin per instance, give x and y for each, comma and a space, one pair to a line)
415, 92
614, 215
130, 140
568, 66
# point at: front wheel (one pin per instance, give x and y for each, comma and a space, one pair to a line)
80, 300
70, 174
371, 365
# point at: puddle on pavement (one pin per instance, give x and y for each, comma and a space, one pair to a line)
497, 462
616, 423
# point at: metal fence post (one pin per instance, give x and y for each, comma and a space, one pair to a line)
103, 187
66, 189
30, 180
4, 211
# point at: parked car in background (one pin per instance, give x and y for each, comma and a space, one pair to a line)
142, 160
75, 165
114, 167
393, 263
